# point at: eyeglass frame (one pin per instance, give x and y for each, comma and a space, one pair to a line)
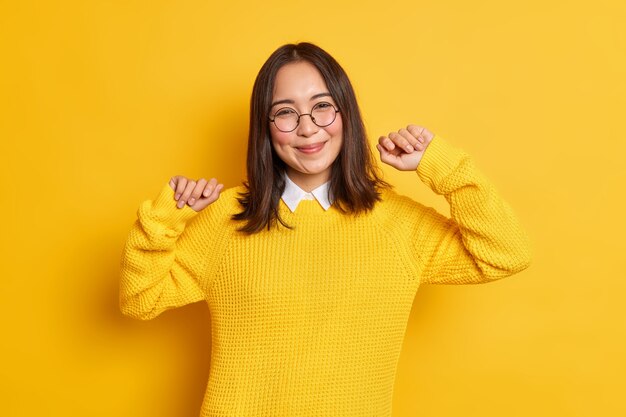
306, 114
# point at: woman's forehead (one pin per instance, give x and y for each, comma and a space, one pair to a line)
299, 81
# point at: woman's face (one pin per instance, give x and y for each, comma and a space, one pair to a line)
309, 150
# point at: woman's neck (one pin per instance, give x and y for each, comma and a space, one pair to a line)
308, 182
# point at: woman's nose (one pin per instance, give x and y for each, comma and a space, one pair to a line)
306, 127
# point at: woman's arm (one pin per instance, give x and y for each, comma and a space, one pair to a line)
164, 258
482, 241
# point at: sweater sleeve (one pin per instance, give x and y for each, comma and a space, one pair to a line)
162, 262
482, 241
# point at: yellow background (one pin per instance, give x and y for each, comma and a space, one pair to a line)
103, 101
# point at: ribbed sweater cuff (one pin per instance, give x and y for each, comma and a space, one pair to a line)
439, 161
165, 210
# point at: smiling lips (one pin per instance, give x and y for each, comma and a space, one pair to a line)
313, 148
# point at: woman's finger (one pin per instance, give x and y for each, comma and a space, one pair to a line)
386, 156
184, 197
204, 202
209, 187
197, 191
421, 133
216, 193
415, 130
401, 142
416, 141
180, 187
412, 140
386, 143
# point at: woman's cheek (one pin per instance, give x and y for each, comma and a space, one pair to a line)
336, 127
280, 138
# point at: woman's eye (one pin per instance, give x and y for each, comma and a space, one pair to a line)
284, 112
323, 105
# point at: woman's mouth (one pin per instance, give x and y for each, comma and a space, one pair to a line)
313, 148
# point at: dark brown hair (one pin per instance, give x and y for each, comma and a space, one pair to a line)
354, 183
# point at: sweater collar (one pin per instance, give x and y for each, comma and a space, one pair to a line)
293, 194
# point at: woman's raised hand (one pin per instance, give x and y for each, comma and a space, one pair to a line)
404, 149
198, 194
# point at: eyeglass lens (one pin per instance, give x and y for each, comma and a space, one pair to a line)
323, 114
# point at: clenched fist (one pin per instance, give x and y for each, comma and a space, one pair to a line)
404, 149
197, 194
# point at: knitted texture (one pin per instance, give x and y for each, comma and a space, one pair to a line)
310, 321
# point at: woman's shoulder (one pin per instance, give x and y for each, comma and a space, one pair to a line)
230, 195
392, 200
401, 208
227, 204
219, 213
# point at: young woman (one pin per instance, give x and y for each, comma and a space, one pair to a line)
311, 267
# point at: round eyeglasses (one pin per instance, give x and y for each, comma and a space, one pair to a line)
286, 119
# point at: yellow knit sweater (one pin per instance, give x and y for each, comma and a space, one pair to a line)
310, 321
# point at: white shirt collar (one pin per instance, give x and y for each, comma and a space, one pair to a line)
293, 194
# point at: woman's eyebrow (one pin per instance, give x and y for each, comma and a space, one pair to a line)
288, 101
316, 96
